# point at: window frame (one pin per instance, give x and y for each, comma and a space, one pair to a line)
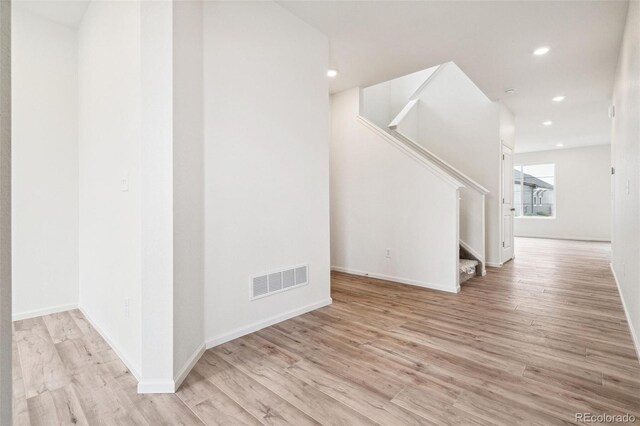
555, 189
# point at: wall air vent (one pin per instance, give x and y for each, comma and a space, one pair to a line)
278, 281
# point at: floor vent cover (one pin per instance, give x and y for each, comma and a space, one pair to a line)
278, 281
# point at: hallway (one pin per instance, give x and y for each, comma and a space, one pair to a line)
534, 342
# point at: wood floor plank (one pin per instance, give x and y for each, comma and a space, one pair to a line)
68, 408
20, 409
371, 404
210, 404
62, 327
437, 410
259, 401
531, 343
298, 393
42, 368
42, 410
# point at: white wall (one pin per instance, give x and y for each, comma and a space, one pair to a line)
109, 149
188, 181
266, 120
156, 182
626, 160
582, 193
5, 216
459, 124
382, 198
45, 166
382, 102
507, 126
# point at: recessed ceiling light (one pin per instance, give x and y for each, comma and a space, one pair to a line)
560, 145
510, 91
332, 73
558, 99
541, 51
547, 123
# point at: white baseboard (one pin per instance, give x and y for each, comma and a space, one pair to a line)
495, 265
188, 366
156, 387
634, 335
41, 312
252, 328
400, 280
111, 343
555, 237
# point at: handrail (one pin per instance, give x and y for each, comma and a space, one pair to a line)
413, 103
414, 98
402, 114
412, 152
429, 79
441, 163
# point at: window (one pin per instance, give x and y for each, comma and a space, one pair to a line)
534, 190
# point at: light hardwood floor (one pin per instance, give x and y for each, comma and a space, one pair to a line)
531, 343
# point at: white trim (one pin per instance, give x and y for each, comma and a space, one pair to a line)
408, 107
187, 367
111, 343
522, 164
428, 81
400, 280
634, 335
494, 265
252, 328
474, 253
156, 387
483, 263
413, 153
441, 164
553, 237
506, 149
46, 311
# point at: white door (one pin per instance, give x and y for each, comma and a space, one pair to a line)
507, 204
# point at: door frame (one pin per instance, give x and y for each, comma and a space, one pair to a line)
503, 259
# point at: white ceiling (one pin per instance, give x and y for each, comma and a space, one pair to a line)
65, 12
374, 41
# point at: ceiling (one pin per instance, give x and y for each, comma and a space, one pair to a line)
65, 12
492, 42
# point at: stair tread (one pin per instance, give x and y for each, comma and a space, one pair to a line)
467, 265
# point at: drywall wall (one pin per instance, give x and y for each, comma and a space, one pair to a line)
156, 182
382, 102
45, 166
626, 160
5, 215
507, 126
109, 132
188, 183
583, 195
382, 198
266, 121
459, 124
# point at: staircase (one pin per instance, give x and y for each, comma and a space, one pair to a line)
404, 128
468, 269
468, 265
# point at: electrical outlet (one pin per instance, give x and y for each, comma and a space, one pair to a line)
387, 253
124, 184
127, 307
